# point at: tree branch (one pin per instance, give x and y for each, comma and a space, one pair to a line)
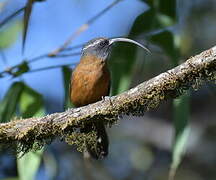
135, 101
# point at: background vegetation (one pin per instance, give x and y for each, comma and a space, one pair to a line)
35, 83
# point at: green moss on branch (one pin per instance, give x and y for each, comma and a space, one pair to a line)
26, 133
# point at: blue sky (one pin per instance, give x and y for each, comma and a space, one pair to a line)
52, 22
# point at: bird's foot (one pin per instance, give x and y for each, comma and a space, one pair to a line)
104, 98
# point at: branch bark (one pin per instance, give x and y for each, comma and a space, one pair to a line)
135, 101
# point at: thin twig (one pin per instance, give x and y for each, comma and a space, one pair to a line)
11, 16
56, 56
26, 18
64, 46
67, 55
73, 47
84, 27
37, 58
50, 67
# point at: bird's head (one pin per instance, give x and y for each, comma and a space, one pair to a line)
101, 47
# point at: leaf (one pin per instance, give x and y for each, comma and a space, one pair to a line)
10, 17
121, 65
27, 14
181, 117
151, 3
168, 8
165, 21
144, 23
165, 7
181, 112
10, 101
66, 75
28, 165
10, 34
150, 21
11, 178
31, 103
165, 40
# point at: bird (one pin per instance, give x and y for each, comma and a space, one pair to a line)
90, 82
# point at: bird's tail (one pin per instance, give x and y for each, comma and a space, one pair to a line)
100, 149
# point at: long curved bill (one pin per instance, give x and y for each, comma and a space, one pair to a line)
111, 41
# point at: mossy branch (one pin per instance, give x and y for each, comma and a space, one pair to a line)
147, 95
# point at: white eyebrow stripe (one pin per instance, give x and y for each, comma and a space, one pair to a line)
92, 44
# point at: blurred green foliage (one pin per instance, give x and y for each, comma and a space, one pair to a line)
66, 73
27, 103
28, 165
30, 105
156, 26
10, 34
181, 111
9, 103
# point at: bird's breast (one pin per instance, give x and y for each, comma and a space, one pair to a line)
89, 82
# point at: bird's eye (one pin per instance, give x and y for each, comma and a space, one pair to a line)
104, 43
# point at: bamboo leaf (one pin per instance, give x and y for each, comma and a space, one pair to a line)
166, 41
28, 165
10, 101
66, 71
121, 65
181, 117
10, 34
31, 104
27, 14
